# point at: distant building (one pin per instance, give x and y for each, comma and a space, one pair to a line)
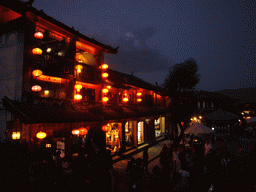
54, 81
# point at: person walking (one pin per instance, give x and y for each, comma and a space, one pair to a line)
145, 159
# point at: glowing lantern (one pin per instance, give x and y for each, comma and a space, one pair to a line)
182, 123
41, 135
48, 50
83, 131
106, 128
79, 68
105, 99
15, 135
37, 51
139, 100
37, 72
104, 66
79, 58
104, 90
105, 75
139, 94
78, 87
109, 87
125, 99
39, 35
78, 97
75, 132
36, 88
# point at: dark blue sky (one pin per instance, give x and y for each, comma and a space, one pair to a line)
155, 34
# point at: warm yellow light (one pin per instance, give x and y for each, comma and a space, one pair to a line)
78, 97
15, 135
125, 99
109, 87
37, 51
191, 119
75, 132
78, 87
41, 135
139, 94
104, 66
200, 117
104, 90
195, 118
105, 99
104, 75
37, 73
48, 145
48, 50
46, 93
36, 88
79, 68
139, 100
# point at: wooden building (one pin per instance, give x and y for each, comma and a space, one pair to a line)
54, 81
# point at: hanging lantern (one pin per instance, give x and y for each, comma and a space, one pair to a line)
139, 99
109, 86
36, 88
104, 90
182, 123
41, 135
83, 131
106, 128
79, 68
104, 66
78, 87
75, 132
39, 35
37, 73
37, 51
125, 99
105, 75
79, 58
105, 99
15, 135
139, 94
78, 97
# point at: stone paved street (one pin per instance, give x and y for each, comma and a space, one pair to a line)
122, 178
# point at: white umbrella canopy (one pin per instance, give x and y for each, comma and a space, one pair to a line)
198, 128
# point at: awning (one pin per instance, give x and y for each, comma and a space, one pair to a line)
31, 114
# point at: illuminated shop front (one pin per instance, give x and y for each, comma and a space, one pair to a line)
129, 134
159, 125
140, 131
113, 137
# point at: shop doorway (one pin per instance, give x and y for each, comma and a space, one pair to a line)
140, 132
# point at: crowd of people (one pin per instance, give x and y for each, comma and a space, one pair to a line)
184, 166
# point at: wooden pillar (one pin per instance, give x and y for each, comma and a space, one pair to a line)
123, 145
135, 134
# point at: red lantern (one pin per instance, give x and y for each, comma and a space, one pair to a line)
39, 35
37, 51
106, 128
36, 88
83, 131
41, 135
104, 75
37, 72
104, 66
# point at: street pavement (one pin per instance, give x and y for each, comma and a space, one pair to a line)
120, 166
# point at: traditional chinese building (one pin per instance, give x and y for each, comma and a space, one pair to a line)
55, 84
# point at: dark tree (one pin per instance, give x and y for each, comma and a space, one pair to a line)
180, 85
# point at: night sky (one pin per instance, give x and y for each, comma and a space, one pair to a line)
155, 34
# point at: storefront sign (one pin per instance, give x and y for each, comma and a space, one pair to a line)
51, 79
